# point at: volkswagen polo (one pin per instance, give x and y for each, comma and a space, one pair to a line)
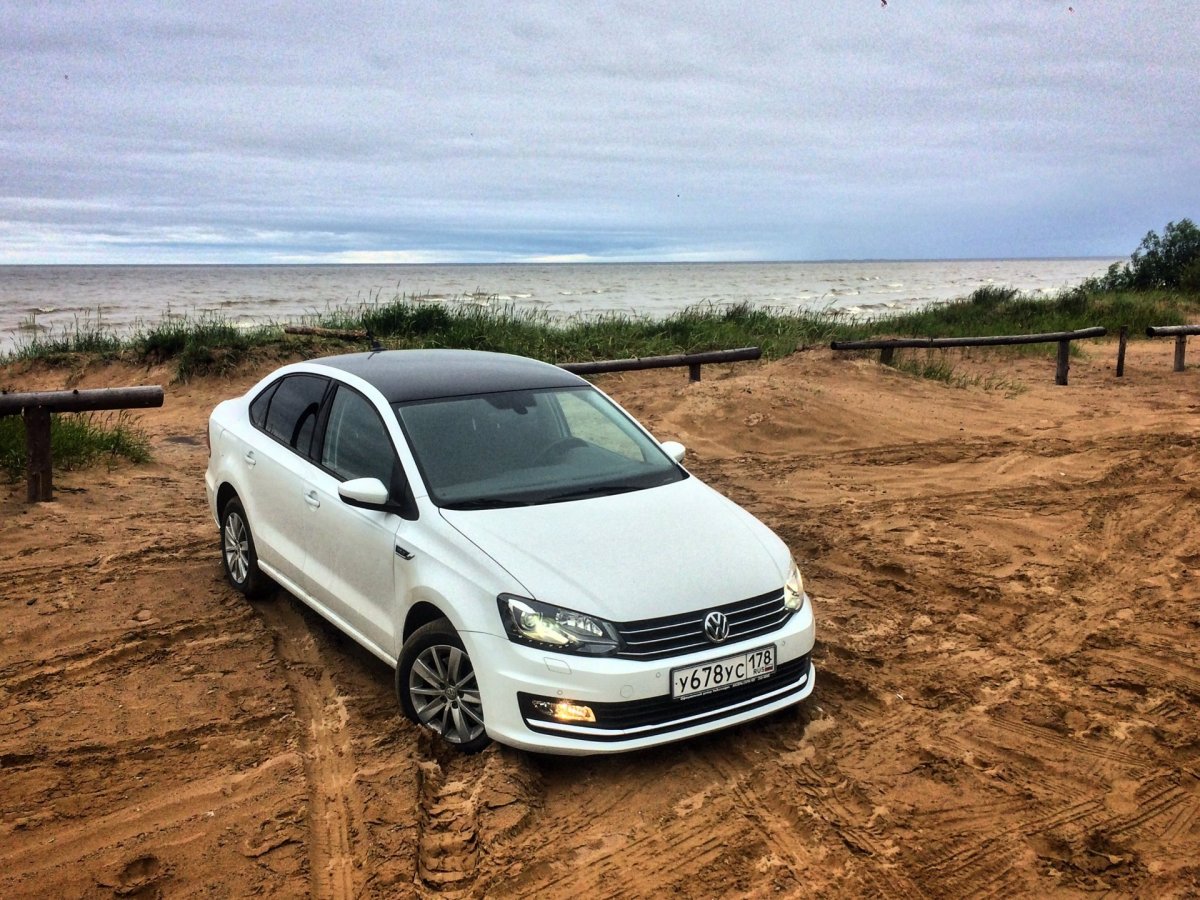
532, 563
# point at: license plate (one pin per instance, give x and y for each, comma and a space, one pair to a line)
719, 674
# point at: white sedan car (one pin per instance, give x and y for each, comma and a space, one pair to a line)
536, 567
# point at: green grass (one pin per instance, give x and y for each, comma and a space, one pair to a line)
406, 323
84, 336
77, 440
208, 345
936, 366
211, 344
997, 310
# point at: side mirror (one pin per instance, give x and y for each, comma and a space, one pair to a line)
369, 493
675, 450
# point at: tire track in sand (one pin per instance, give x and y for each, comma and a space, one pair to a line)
335, 809
795, 805
467, 806
448, 843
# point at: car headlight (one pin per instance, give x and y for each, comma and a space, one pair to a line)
793, 589
554, 628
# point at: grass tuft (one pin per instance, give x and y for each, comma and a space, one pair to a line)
936, 366
208, 345
86, 335
77, 440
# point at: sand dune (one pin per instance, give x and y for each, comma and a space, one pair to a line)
1006, 584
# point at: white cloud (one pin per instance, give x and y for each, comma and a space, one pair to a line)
595, 130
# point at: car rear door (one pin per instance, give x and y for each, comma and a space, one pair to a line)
277, 464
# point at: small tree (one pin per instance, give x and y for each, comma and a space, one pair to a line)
1170, 261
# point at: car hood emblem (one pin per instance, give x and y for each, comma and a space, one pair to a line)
716, 627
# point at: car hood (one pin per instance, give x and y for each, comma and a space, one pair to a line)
638, 555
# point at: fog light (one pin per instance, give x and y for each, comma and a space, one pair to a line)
565, 710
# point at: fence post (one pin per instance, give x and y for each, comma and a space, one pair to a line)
1180, 351
1124, 337
1064, 362
38, 468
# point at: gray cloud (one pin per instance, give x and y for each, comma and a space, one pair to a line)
615, 130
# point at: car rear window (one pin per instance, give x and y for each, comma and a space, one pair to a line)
260, 404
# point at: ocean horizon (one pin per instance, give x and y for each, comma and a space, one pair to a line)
45, 299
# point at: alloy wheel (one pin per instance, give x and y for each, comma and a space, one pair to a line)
445, 694
237, 547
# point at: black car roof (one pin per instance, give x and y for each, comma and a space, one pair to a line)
404, 375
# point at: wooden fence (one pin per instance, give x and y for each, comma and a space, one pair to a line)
1180, 333
888, 346
692, 360
36, 407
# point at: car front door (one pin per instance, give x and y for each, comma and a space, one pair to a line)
352, 566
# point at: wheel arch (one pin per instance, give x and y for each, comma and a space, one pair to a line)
422, 613
225, 493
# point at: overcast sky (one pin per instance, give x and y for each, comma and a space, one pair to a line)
514, 131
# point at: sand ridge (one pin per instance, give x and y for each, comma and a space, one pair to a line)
1006, 586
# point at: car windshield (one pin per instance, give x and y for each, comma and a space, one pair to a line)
518, 448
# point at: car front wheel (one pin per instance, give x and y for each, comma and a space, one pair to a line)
437, 687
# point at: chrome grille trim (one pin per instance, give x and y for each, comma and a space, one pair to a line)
675, 635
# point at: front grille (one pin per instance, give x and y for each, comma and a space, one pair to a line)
676, 635
659, 715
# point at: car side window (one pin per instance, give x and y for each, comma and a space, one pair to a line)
293, 410
356, 442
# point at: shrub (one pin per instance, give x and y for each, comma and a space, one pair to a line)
1170, 261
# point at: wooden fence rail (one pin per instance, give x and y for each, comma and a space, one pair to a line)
888, 346
692, 360
1180, 333
36, 406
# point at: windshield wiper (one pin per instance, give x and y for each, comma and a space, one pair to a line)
487, 503
596, 490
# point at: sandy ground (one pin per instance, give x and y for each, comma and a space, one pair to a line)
1006, 589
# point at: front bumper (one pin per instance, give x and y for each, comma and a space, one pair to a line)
631, 699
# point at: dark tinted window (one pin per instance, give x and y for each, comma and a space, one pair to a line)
259, 405
356, 443
537, 446
293, 410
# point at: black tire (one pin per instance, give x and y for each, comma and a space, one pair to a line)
238, 556
437, 688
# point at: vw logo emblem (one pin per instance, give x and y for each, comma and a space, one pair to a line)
716, 627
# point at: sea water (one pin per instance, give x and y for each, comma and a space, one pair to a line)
51, 299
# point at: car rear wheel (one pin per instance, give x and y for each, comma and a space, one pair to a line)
437, 687
238, 554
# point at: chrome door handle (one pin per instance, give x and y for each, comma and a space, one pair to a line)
311, 498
